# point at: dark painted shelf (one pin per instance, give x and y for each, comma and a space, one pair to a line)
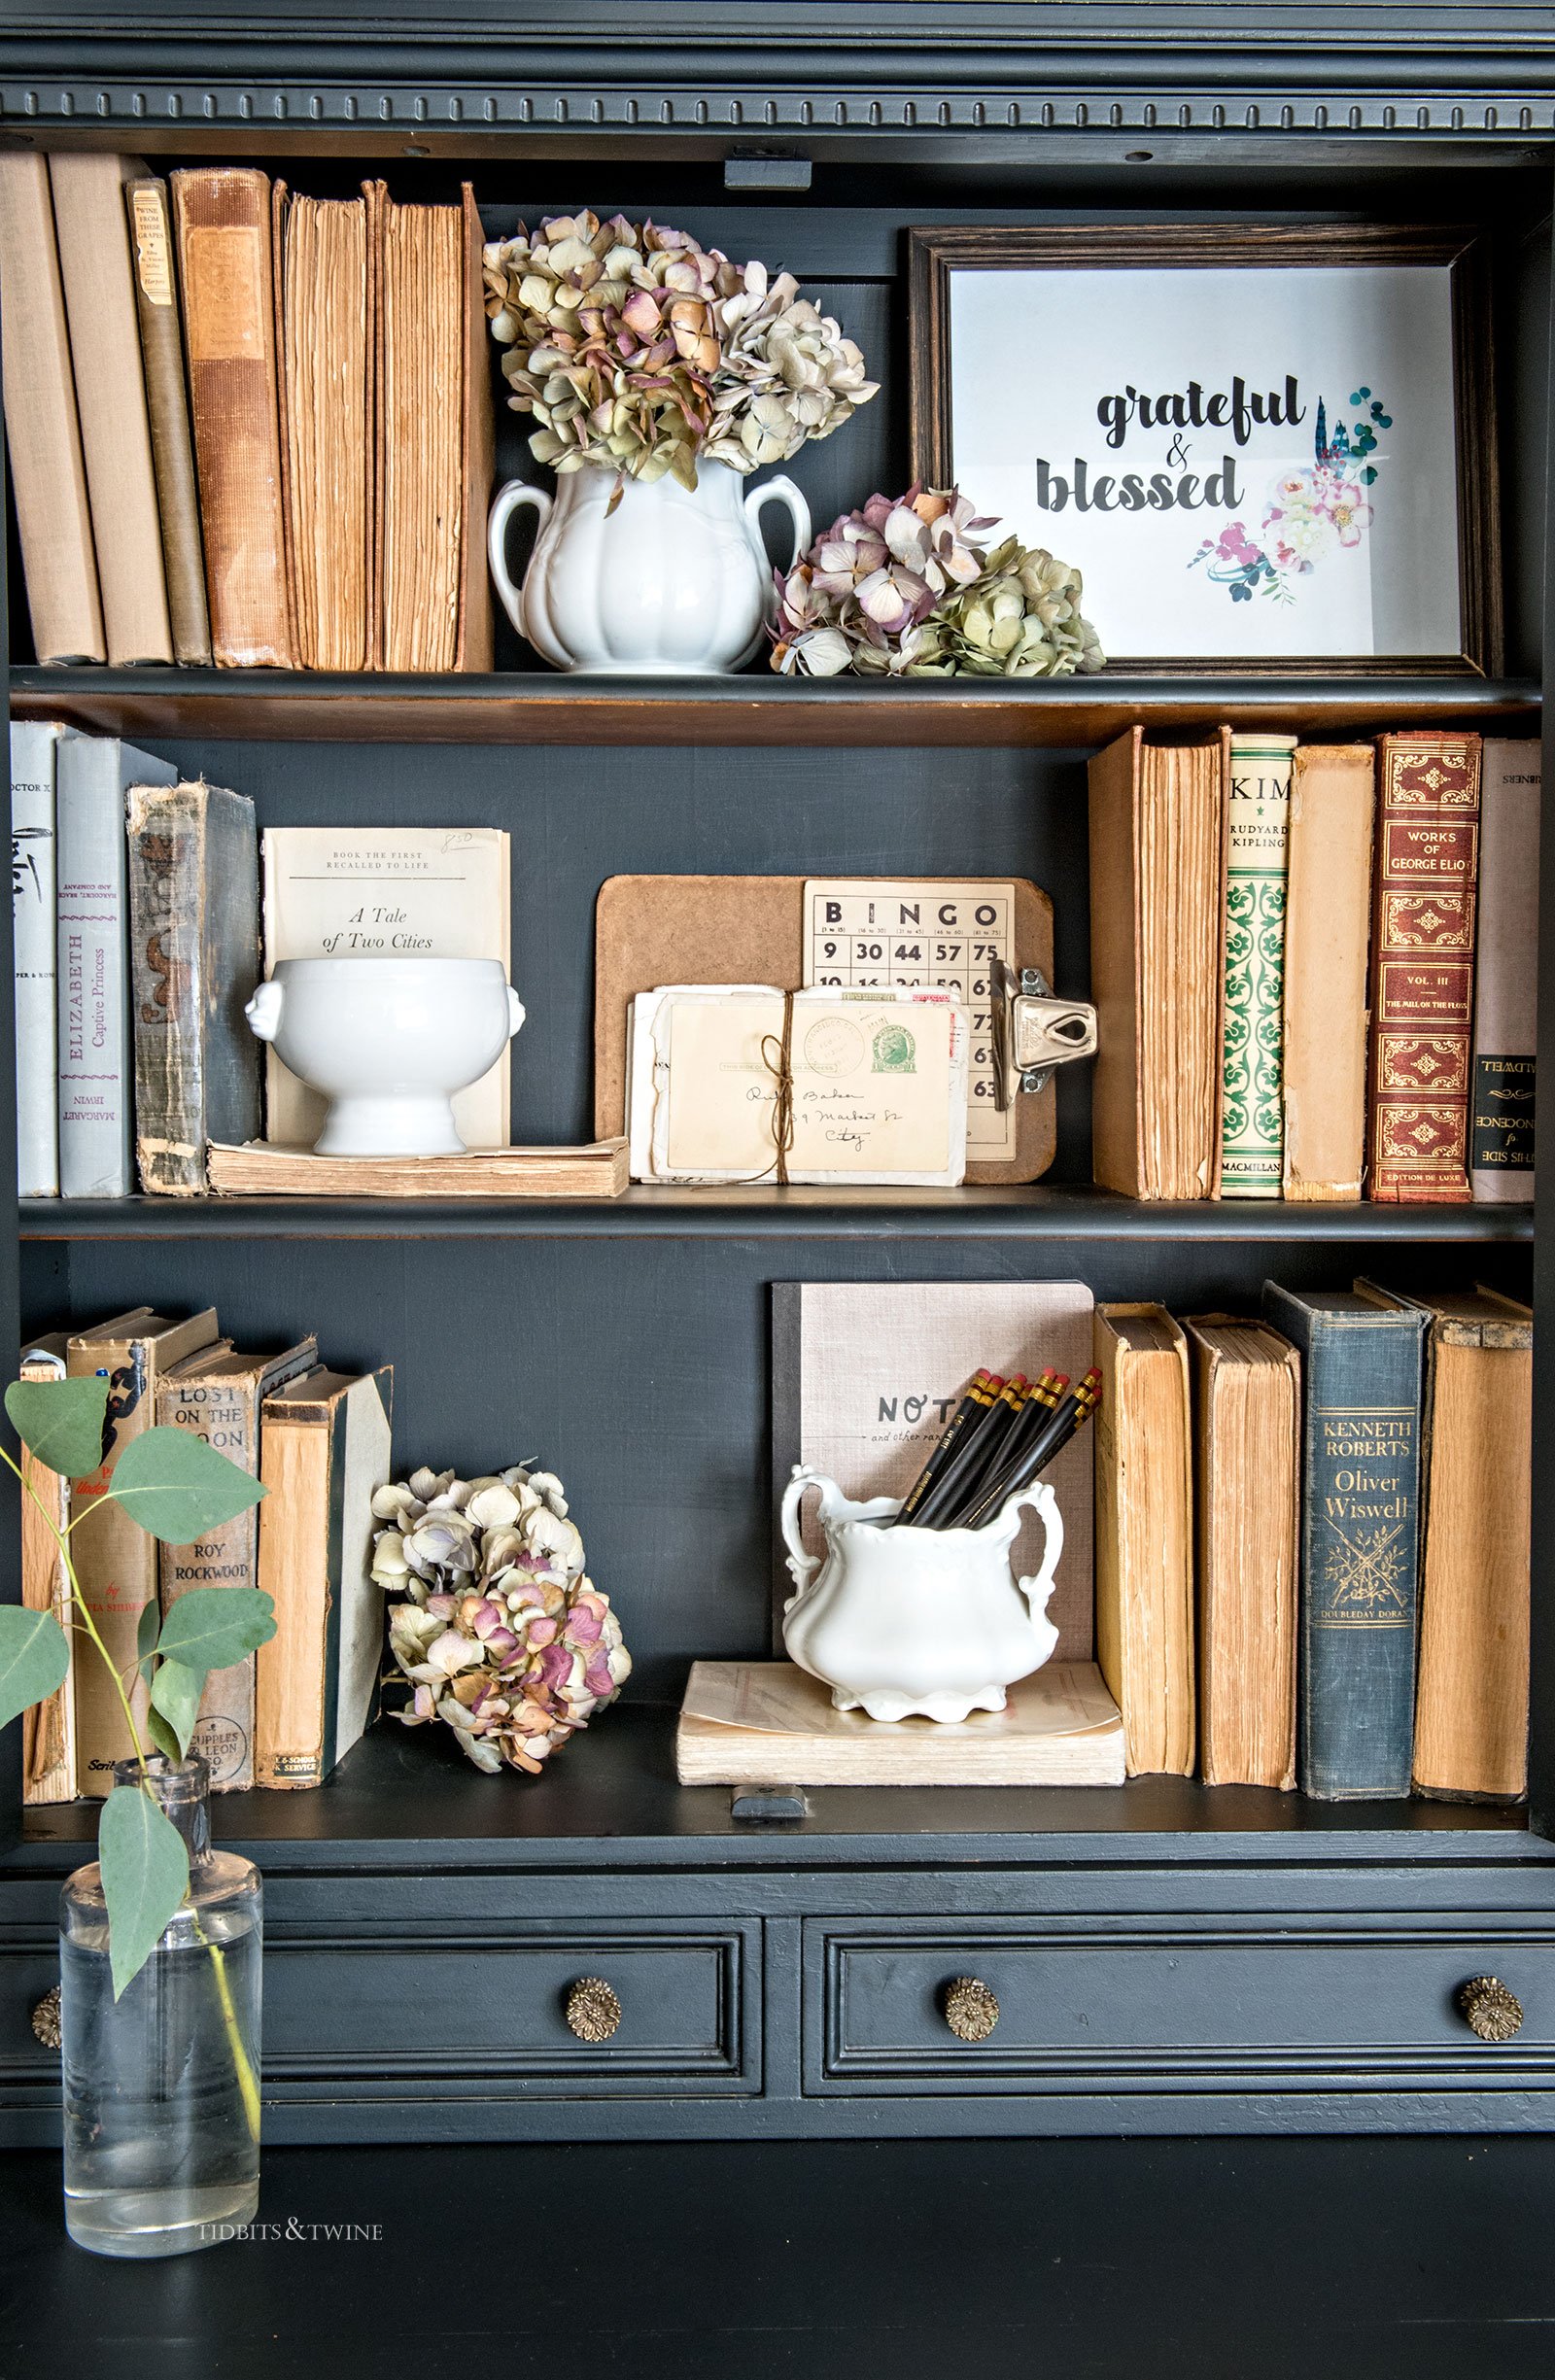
406, 1797
291, 706
766, 1212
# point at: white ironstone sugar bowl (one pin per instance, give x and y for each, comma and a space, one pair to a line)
388, 1041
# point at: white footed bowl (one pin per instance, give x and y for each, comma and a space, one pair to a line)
388, 1041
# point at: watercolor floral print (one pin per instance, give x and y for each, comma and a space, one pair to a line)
1310, 513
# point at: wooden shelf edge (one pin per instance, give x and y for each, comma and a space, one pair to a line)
767, 1213
1069, 713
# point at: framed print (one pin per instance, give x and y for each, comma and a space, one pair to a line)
1267, 448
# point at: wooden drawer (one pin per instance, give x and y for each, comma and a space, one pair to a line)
484, 2014
1102, 2005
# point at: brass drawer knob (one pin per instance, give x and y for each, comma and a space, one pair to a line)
970, 2010
1494, 2013
46, 2018
592, 2008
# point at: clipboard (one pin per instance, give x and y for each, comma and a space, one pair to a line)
650, 930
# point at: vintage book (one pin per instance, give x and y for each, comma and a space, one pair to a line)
223, 214
1423, 966
877, 1085
327, 410
324, 1451
42, 432
93, 230
218, 1394
115, 1561
768, 1723
1247, 1396
866, 1374
1157, 892
193, 907
1258, 821
1328, 939
161, 348
97, 1036
1472, 1690
1362, 1379
48, 1728
263, 1170
1145, 1535
34, 745
371, 892
433, 441
1500, 1143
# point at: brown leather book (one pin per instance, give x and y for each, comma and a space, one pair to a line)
1472, 1693
47, 471
1157, 872
1247, 1394
1328, 934
95, 266
223, 214
1145, 1535
1423, 966
162, 348
327, 380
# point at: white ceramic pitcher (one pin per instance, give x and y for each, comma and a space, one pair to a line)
917, 1622
675, 582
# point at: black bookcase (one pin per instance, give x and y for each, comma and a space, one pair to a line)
1167, 1957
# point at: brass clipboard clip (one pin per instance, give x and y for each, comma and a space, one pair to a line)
1032, 1031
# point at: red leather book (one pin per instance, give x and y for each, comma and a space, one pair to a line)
1423, 966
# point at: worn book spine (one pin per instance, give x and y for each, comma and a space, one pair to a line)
99, 285
33, 894
193, 897
43, 433
161, 347
49, 1727
1328, 939
1423, 966
1362, 1377
1258, 828
1501, 1152
223, 214
95, 1037
478, 451
1144, 1529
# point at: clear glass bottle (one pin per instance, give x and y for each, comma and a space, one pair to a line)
161, 2087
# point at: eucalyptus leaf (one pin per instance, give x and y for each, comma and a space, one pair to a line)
145, 1627
144, 1871
210, 1628
175, 1487
34, 1658
163, 1735
60, 1422
175, 1693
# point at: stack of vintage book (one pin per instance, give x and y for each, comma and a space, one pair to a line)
244, 427
1315, 967
320, 1441
1312, 1542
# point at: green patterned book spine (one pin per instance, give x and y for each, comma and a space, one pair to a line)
1252, 1073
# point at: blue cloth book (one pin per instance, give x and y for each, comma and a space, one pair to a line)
1363, 1377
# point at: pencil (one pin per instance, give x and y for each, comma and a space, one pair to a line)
1036, 1411
974, 1404
1072, 1415
967, 1458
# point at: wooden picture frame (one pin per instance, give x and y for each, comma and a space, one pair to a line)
938, 254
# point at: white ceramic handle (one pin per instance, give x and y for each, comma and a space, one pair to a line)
787, 495
515, 1012
803, 1566
264, 1011
508, 500
1038, 1591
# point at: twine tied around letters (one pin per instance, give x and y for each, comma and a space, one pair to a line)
777, 1056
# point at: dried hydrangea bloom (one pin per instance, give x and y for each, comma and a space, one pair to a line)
502, 1638
903, 588
638, 350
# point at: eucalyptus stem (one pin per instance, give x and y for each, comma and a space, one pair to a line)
247, 2083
